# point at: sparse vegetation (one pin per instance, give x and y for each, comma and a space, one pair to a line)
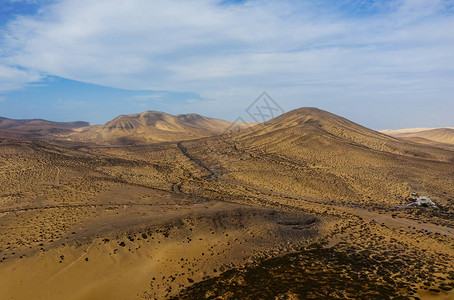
170, 225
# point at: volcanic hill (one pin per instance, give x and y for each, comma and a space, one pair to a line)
153, 126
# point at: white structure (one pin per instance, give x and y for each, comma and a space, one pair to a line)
424, 201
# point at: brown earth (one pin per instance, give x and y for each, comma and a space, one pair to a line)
81, 221
142, 128
153, 126
435, 136
36, 128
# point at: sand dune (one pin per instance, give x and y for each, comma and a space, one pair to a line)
438, 135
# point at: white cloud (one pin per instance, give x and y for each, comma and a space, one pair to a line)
12, 78
233, 52
148, 97
26, 1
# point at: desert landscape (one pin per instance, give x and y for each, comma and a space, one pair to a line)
155, 206
441, 137
226, 149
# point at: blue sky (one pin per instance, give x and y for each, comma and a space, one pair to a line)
383, 64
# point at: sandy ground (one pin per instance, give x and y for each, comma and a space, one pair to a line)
146, 222
154, 250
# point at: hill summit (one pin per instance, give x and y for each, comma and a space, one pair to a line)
152, 126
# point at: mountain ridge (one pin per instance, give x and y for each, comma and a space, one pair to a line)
443, 135
318, 155
36, 128
153, 126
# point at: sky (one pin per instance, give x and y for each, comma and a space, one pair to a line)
384, 64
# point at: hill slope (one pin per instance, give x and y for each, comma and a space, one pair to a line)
439, 135
36, 128
153, 126
318, 155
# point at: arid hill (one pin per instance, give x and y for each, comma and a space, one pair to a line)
307, 205
314, 154
437, 135
36, 128
305, 125
141, 128
152, 126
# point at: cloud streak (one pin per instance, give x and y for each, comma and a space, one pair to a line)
12, 78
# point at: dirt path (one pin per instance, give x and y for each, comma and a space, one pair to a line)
81, 205
84, 254
385, 219
397, 223
213, 173
57, 177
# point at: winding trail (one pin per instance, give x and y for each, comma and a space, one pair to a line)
360, 212
57, 177
214, 174
371, 216
176, 190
